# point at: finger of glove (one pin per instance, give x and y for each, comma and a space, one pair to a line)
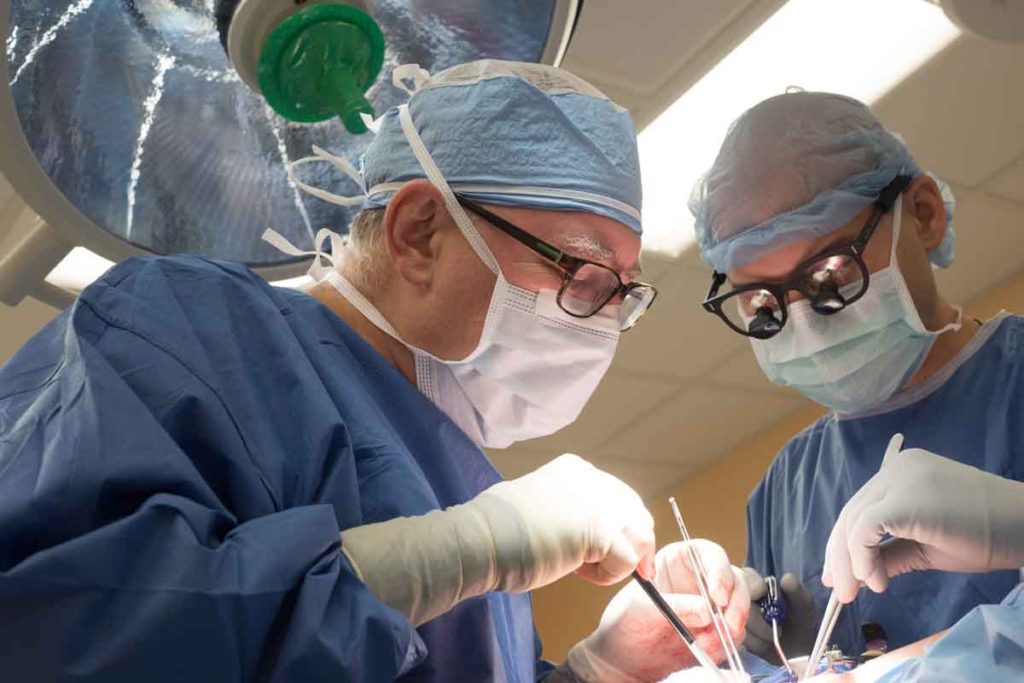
762, 647
676, 571
642, 541
721, 579
799, 596
864, 533
640, 534
673, 572
636, 520
838, 570
617, 563
901, 556
756, 584
893, 449
691, 609
739, 609
757, 624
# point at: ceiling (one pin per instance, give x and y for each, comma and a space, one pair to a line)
683, 390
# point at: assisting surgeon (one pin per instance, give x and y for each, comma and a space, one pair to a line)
823, 231
206, 478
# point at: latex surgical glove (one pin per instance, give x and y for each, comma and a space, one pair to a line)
940, 513
796, 634
516, 536
634, 642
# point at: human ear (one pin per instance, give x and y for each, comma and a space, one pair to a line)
923, 199
412, 220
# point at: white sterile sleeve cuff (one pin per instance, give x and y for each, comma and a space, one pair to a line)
423, 566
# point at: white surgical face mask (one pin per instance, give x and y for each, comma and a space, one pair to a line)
858, 358
534, 367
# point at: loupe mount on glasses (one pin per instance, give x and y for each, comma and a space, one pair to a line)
765, 324
828, 300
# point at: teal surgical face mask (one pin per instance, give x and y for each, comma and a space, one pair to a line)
858, 358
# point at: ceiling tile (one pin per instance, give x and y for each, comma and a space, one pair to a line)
677, 338
647, 479
1009, 182
6, 192
619, 399
961, 112
741, 371
690, 258
989, 245
656, 264
633, 45
698, 425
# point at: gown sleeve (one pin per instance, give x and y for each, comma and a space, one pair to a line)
542, 668
146, 533
987, 644
758, 533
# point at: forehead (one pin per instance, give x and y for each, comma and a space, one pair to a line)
566, 228
779, 263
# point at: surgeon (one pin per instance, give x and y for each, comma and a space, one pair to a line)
206, 478
823, 232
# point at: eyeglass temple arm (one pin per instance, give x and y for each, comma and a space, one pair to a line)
717, 280
537, 244
884, 203
887, 197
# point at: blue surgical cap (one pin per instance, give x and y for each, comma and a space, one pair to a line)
795, 167
514, 134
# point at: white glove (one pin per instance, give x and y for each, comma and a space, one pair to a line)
941, 514
516, 536
634, 642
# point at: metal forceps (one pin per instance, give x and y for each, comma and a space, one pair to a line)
717, 617
828, 623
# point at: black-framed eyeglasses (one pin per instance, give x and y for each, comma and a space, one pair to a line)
830, 281
587, 287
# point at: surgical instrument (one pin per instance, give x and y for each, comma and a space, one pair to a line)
773, 609
691, 642
717, 617
828, 623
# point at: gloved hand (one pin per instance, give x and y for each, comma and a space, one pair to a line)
634, 642
796, 634
941, 514
516, 536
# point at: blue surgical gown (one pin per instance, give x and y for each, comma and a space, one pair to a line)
971, 410
986, 645
178, 454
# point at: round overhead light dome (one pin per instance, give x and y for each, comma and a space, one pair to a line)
127, 130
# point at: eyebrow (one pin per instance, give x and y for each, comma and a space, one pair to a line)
593, 249
836, 241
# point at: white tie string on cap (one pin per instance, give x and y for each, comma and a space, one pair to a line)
343, 165
317, 270
413, 73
